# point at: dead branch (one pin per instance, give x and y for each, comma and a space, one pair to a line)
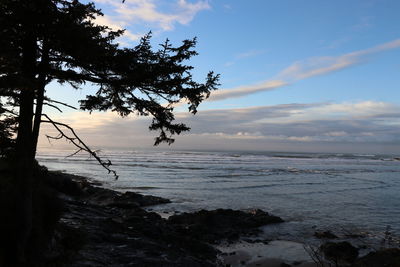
316, 256
3, 109
53, 106
49, 137
58, 102
77, 142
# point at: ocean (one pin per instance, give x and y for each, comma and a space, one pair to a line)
353, 193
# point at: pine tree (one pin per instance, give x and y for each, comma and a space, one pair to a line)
57, 40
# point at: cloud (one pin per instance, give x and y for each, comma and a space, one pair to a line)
336, 43
365, 22
365, 121
250, 53
326, 126
244, 55
246, 90
153, 15
305, 69
323, 65
229, 63
117, 25
336, 133
317, 66
227, 7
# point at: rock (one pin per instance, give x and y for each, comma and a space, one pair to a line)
141, 200
118, 232
221, 224
355, 235
63, 184
342, 252
123, 204
100, 196
128, 200
325, 234
389, 257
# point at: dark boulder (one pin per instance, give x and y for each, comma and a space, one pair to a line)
221, 224
325, 234
128, 200
389, 257
339, 253
63, 183
139, 199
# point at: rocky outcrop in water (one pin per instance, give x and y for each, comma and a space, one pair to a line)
221, 224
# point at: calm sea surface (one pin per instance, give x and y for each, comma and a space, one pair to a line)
330, 191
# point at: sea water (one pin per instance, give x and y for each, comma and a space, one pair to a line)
349, 192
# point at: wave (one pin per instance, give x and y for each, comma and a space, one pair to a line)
136, 187
311, 183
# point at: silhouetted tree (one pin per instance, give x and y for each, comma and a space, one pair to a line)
57, 40
7, 130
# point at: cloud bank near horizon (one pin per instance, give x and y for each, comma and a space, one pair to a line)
315, 126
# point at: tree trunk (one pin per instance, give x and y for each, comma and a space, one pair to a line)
24, 174
37, 119
43, 66
24, 156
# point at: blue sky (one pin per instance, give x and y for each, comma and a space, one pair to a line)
295, 75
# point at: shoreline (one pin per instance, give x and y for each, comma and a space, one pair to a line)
307, 192
113, 229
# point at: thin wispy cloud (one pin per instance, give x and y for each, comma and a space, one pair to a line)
154, 15
227, 6
323, 65
365, 22
317, 66
306, 69
244, 55
246, 90
335, 43
250, 53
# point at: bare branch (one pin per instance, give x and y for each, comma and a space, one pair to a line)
49, 137
58, 102
76, 152
77, 142
3, 109
53, 106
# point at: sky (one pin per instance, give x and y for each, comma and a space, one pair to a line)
304, 76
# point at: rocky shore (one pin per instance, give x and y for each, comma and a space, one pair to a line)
102, 227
